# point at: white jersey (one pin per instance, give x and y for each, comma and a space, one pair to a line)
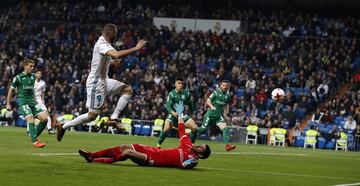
100, 62
39, 88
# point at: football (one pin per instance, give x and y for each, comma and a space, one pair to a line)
277, 94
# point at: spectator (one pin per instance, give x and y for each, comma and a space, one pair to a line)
316, 117
350, 123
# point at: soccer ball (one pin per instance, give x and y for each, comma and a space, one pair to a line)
277, 94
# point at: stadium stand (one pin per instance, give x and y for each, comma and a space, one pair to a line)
311, 57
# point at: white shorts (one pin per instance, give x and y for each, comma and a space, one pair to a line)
41, 105
98, 89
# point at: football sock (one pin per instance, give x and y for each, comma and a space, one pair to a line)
77, 121
162, 137
200, 130
226, 135
113, 153
49, 123
193, 136
40, 128
122, 102
32, 131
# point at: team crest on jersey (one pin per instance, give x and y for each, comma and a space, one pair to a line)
182, 96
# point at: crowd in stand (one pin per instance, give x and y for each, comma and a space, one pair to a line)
307, 55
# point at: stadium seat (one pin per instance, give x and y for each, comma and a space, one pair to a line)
251, 134
341, 144
300, 141
137, 128
321, 143
277, 137
145, 130
240, 92
330, 144
158, 126
126, 124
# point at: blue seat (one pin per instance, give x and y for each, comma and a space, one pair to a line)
329, 127
330, 144
323, 129
307, 128
145, 130
240, 92
306, 91
20, 122
321, 143
300, 141
320, 125
137, 129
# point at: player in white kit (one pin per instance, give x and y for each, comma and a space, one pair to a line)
98, 84
39, 88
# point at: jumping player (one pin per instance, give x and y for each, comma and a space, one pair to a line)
98, 84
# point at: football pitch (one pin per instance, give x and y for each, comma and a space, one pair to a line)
60, 164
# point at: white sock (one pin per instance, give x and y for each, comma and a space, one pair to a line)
122, 102
77, 121
49, 123
27, 127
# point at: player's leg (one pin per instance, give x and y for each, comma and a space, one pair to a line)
114, 87
32, 129
43, 117
95, 100
226, 133
48, 124
25, 110
204, 124
110, 155
167, 126
104, 156
190, 123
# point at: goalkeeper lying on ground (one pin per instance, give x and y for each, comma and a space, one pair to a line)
185, 156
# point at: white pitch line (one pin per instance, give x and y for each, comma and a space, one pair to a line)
349, 184
257, 153
53, 154
279, 173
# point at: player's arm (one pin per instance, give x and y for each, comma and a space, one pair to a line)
190, 104
169, 105
179, 107
43, 94
210, 99
9, 97
122, 53
226, 112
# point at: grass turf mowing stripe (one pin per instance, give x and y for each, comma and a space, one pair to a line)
280, 174
216, 153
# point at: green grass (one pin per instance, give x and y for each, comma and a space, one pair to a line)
21, 164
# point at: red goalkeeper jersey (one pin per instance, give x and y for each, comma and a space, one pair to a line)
168, 157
